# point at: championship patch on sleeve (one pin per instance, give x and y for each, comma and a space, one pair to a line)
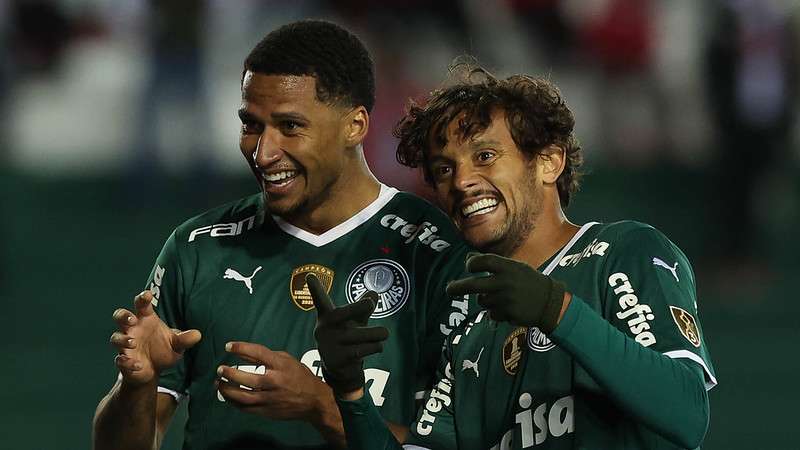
686, 324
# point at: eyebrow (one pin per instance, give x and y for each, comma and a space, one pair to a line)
295, 116
244, 115
481, 143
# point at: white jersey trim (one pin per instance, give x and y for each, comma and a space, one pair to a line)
414, 447
318, 240
711, 381
567, 247
175, 394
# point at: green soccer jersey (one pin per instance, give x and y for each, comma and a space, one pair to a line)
238, 274
506, 387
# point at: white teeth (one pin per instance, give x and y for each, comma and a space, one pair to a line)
482, 206
276, 177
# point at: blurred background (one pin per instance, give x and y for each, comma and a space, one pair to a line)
118, 121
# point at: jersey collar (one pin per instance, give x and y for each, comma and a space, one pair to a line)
318, 240
556, 259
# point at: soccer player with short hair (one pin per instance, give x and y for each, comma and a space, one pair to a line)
234, 277
590, 338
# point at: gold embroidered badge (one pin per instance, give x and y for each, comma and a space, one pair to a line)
298, 288
512, 350
686, 324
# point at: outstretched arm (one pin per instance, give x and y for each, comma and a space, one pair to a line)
634, 376
343, 341
132, 415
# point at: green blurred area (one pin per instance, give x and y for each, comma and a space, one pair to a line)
73, 251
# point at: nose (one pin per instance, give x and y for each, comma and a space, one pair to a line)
267, 150
465, 178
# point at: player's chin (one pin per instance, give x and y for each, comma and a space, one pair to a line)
482, 237
284, 206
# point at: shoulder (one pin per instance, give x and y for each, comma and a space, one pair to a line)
229, 219
630, 234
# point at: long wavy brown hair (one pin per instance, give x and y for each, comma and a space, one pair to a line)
536, 114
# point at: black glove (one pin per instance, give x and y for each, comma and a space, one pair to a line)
343, 339
512, 291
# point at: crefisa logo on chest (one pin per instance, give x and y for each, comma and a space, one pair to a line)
384, 276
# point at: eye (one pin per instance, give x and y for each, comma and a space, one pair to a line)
485, 155
289, 127
251, 127
441, 171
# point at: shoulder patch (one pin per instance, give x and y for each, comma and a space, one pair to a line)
686, 324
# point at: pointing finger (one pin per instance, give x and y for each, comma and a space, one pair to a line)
318, 294
486, 262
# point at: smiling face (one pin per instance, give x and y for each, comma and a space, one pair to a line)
490, 189
295, 144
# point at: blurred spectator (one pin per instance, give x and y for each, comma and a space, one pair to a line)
173, 116
39, 34
752, 79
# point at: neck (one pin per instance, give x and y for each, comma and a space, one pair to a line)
550, 233
353, 191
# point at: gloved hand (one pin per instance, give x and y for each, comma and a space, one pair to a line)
343, 340
513, 291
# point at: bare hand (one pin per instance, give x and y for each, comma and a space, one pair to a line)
146, 345
287, 389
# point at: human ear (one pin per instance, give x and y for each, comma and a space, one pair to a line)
356, 125
552, 159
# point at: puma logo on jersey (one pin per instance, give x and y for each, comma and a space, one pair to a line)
674, 268
467, 364
231, 274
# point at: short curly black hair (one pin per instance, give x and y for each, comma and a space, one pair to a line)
536, 114
338, 60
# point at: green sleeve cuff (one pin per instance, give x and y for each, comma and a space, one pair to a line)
570, 318
364, 427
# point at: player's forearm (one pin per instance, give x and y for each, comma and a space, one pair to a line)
328, 421
364, 426
126, 418
665, 394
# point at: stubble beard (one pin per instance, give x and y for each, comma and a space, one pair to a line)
509, 238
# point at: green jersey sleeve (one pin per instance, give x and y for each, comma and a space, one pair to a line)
649, 295
166, 282
435, 424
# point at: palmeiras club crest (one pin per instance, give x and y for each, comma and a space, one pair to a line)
384, 276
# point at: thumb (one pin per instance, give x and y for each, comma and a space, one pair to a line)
185, 340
